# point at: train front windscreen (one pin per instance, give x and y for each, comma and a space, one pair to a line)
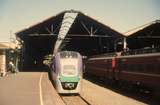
68, 54
69, 70
69, 63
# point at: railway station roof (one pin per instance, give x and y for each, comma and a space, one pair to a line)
146, 37
87, 35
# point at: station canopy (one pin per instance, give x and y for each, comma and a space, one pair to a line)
146, 37
86, 35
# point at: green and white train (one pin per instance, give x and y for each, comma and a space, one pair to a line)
67, 72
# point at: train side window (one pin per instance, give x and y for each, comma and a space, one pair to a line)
53, 66
133, 67
144, 67
153, 69
120, 65
124, 65
150, 68
147, 68
156, 68
54, 69
128, 67
137, 67
140, 68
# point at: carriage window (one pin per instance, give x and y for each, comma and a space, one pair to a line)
125, 67
157, 68
150, 68
122, 65
130, 67
134, 67
53, 67
139, 68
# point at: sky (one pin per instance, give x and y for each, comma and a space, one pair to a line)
121, 15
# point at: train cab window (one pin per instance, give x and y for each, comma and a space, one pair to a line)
69, 67
68, 54
69, 70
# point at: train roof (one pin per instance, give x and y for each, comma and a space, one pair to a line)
104, 57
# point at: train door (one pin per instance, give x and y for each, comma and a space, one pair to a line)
114, 69
112, 63
106, 62
110, 69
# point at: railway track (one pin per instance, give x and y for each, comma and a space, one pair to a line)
74, 100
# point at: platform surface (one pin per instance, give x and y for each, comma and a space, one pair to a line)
28, 88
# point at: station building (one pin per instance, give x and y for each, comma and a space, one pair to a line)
7, 54
80, 33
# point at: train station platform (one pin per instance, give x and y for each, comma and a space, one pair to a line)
28, 88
